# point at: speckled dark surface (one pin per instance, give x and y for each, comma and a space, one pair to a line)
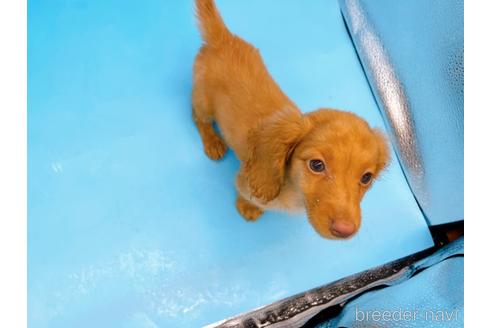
295, 311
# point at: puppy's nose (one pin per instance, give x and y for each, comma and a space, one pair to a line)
342, 229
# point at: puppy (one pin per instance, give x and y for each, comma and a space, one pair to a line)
322, 162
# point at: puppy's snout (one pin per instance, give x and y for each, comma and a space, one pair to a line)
342, 229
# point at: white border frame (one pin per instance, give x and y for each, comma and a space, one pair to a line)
13, 163
478, 164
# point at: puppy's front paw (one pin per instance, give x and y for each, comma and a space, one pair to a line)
215, 147
247, 210
264, 193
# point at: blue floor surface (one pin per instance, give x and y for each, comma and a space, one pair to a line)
129, 223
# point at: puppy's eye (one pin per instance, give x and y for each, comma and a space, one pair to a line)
366, 178
316, 165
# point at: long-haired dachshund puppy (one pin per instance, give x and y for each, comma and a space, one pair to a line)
322, 162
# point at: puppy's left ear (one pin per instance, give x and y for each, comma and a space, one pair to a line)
383, 150
270, 146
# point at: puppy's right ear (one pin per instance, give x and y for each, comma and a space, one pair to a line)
383, 150
270, 146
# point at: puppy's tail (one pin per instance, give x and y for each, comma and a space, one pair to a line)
212, 27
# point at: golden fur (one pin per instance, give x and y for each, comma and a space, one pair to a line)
274, 141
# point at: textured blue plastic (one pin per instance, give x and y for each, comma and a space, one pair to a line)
412, 52
130, 224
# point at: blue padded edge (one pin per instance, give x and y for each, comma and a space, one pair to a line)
412, 53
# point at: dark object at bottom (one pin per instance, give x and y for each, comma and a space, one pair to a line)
298, 310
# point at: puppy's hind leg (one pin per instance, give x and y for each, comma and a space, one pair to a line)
213, 145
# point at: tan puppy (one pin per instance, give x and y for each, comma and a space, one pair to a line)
321, 162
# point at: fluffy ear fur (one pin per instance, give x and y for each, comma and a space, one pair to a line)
384, 150
271, 145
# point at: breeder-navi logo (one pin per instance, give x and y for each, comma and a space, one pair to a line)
406, 315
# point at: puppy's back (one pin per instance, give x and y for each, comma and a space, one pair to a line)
234, 77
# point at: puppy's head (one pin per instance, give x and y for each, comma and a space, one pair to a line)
330, 157
333, 165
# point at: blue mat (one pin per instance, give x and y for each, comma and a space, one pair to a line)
130, 224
